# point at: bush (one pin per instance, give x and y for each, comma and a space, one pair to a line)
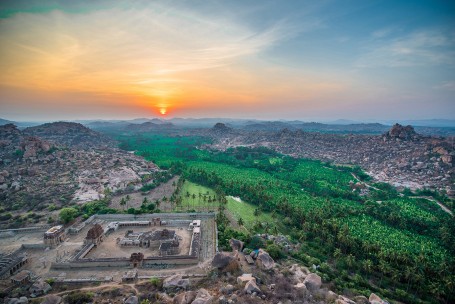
256, 242
275, 252
68, 214
156, 282
79, 298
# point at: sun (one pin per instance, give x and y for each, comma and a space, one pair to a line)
163, 111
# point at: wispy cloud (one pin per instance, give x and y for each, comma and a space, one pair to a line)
446, 85
417, 49
140, 49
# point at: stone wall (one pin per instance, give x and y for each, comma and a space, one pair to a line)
125, 262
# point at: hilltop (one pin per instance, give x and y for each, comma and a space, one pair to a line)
58, 164
70, 134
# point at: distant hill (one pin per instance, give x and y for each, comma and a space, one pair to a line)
70, 134
5, 122
148, 126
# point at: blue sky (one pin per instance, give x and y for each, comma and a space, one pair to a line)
360, 60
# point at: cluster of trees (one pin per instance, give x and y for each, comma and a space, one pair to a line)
315, 202
317, 224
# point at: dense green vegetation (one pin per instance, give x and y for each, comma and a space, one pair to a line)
381, 241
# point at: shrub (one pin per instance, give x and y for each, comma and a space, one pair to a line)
275, 252
156, 282
79, 298
256, 242
68, 214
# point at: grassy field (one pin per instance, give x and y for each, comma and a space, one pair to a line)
237, 209
245, 211
196, 197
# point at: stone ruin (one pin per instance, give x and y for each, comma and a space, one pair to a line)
94, 235
54, 236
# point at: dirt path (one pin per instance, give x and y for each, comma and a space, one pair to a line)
429, 198
444, 208
366, 184
92, 288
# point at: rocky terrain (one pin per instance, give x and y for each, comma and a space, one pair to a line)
400, 156
230, 279
70, 134
63, 163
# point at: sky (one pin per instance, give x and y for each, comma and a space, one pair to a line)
309, 60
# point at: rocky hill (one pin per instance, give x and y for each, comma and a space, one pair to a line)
399, 156
69, 134
148, 126
63, 168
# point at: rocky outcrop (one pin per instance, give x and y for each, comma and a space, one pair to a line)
313, 281
220, 129
132, 300
21, 300
176, 282
31, 146
185, 297
251, 287
375, 299
40, 287
203, 297
299, 273
70, 134
245, 278
264, 260
403, 133
222, 260
236, 245
361, 300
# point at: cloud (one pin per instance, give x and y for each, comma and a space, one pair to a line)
422, 48
142, 50
446, 85
381, 33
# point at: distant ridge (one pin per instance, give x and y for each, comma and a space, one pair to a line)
5, 122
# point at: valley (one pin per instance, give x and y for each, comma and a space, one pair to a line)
359, 233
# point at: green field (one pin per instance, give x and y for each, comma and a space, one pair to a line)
246, 212
313, 202
203, 200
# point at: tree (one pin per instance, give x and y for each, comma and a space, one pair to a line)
145, 201
123, 202
68, 214
127, 200
275, 252
240, 222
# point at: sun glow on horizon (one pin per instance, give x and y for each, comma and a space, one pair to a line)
163, 111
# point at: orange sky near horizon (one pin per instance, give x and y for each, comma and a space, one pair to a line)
135, 59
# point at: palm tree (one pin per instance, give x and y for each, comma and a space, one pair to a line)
367, 266
145, 201
127, 200
240, 222
123, 202
193, 197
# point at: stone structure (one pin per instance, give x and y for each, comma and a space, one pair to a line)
23, 277
165, 242
130, 276
153, 239
54, 236
169, 248
11, 263
136, 259
95, 235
